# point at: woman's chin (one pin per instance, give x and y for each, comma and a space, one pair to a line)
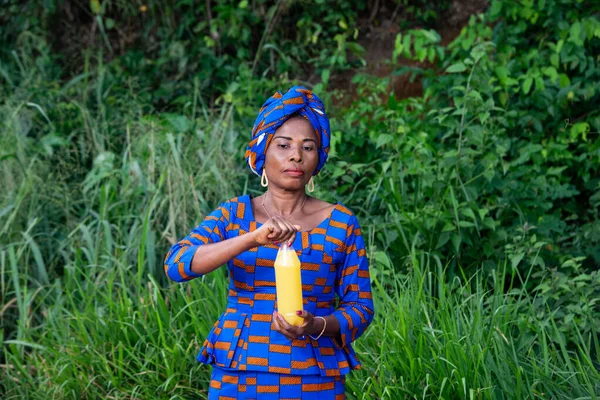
293, 186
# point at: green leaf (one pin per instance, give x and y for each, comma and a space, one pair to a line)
456, 240
489, 174
555, 60
210, 42
515, 259
383, 139
564, 81
398, 47
420, 49
555, 170
496, 8
489, 222
431, 36
580, 129
449, 226
466, 224
431, 55
25, 344
325, 76
575, 34
475, 94
527, 84
551, 72
539, 83
95, 6
456, 68
502, 73
406, 45
442, 240
243, 4
180, 123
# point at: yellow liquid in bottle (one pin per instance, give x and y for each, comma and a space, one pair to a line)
288, 284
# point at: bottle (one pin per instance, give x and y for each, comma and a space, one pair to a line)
288, 284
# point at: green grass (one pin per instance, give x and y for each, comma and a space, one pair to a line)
107, 331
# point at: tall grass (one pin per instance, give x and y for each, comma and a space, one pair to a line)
467, 339
109, 332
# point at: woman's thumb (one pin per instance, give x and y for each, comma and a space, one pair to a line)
297, 227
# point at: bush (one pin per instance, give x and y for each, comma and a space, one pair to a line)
500, 157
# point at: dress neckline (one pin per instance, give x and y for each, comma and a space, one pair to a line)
248, 200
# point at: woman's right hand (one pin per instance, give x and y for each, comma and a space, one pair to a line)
275, 230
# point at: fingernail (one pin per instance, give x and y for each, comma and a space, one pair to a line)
298, 312
277, 243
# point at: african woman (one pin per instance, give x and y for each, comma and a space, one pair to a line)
253, 351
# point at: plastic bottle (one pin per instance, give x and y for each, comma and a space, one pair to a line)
288, 284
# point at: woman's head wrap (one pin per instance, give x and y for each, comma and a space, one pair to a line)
278, 109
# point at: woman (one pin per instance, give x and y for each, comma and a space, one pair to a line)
255, 353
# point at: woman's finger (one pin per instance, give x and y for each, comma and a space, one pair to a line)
297, 229
279, 230
304, 314
290, 331
289, 235
308, 319
284, 229
274, 229
294, 229
277, 325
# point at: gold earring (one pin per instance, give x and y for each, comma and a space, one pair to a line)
264, 181
311, 185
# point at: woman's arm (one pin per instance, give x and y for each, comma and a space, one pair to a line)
206, 248
211, 256
353, 288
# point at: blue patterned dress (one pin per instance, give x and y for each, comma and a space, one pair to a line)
242, 347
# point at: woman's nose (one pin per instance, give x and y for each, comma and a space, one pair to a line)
296, 155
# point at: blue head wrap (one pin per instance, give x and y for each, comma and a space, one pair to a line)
278, 109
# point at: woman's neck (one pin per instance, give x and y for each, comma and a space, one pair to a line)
283, 202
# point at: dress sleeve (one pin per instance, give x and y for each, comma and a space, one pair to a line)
178, 260
353, 287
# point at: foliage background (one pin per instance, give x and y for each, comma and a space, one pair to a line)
465, 135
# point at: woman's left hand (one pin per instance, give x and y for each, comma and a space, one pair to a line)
293, 332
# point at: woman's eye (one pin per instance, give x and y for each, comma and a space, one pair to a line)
283, 146
308, 148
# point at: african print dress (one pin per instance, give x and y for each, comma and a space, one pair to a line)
242, 346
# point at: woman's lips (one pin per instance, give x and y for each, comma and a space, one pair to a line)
295, 173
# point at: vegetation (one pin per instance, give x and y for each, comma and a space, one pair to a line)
123, 124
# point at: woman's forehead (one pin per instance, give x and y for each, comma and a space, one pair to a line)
296, 127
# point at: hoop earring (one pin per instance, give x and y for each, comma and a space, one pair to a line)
311, 185
264, 181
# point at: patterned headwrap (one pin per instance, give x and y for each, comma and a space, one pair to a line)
278, 109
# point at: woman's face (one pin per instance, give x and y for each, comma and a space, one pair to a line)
292, 155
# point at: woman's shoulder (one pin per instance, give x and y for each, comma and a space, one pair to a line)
243, 199
336, 211
236, 206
